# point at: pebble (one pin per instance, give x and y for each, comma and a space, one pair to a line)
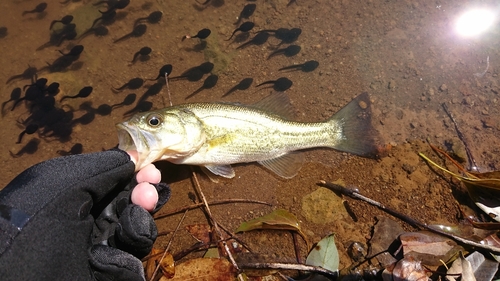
443, 88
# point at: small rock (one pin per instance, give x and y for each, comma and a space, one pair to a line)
391, 85
443, 88
408, 168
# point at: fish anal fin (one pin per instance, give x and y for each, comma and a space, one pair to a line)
225, 171
276, 103
285, 166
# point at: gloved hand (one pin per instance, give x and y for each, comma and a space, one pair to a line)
74, 218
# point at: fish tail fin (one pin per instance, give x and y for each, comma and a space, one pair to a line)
353, 123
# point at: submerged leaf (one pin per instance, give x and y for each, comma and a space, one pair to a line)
483, 188
324, 254
207, 269
166, 264
409, 269
200, 232
429, 248
463, 267
279, 220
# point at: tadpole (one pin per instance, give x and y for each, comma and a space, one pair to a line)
258, 39
143, 52
195, 73
209, 83
28, 73
289, 51
74, 52
106, 18
138, 31
154, 17
83, 93
116, 5
243, 85
166, 69
38, 9
308, 66
244, 27
133, 84
100, 30
246, 12
14, 96
141, 106
202, 34
30, 148
281, 84
65, 20
52, 89
128, 100
77, 148
30, 129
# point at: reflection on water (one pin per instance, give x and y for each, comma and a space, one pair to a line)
406, 55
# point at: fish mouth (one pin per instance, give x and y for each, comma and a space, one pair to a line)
130, 138
126, 137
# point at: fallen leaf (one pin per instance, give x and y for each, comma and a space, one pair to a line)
429, 248
152, 262
279, 220
409, 269
463, 267
385, 232
203, 269
474, 267
483, 188
166, 264
200, 232
324, 254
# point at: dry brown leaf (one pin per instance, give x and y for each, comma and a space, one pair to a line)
203, 269
408, 269
200, 232
167, 266
430, 248
152, 262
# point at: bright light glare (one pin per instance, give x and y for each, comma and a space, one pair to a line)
475, 22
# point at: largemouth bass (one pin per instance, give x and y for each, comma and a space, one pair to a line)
216, 135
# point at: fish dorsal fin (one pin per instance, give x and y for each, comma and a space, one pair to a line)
286, 166
276, 103
221, 170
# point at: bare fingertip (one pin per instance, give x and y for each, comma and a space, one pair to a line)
145, 195
149, 174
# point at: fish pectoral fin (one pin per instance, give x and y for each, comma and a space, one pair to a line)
222, 170
286, 166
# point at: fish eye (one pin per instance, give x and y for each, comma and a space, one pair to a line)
154, 120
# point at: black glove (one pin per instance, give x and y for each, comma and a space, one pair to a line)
70, 218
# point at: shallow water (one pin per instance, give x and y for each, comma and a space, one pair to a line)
406, 55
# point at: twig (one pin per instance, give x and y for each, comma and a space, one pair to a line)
461, 137
196, 247
219, 202
233, 236
290, 266
354, 193
168, 89
168, 246
216, 227
296, 247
